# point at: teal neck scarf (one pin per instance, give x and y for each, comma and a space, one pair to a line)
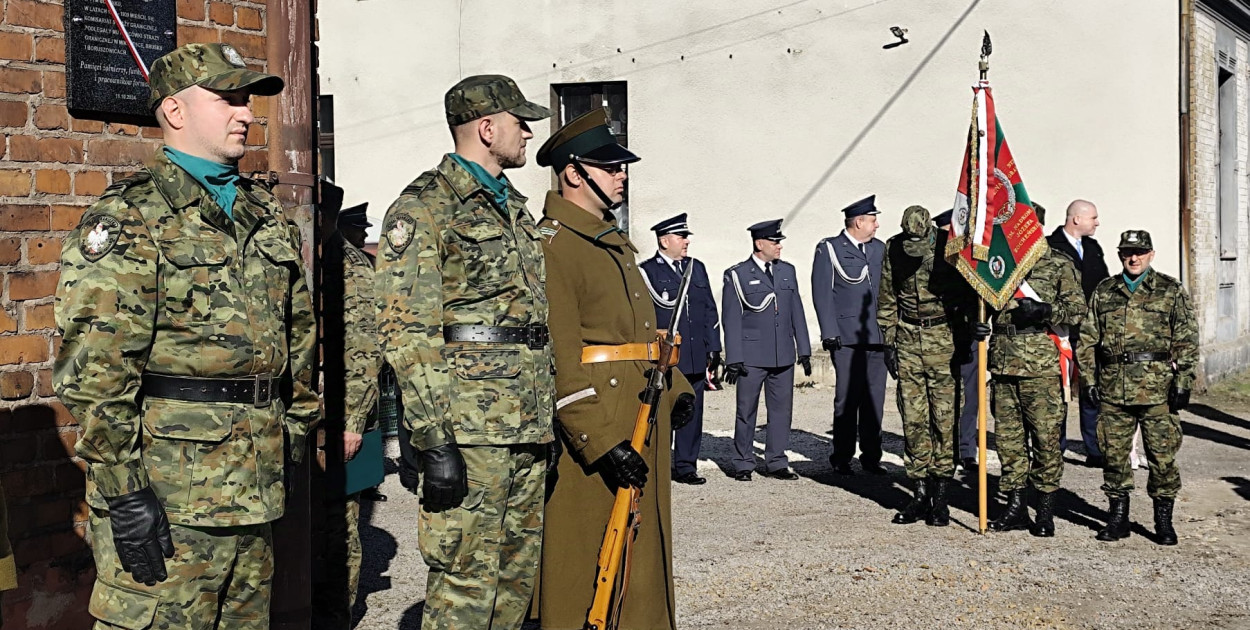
218, 179
1133, 283
498, 186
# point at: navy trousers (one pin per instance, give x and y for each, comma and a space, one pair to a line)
688, 439
858, 403
778, 386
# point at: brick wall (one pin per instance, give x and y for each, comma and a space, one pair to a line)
52, 168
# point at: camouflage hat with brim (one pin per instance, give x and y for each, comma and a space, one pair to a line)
485, 94
210, 66
916, 221
1136, 240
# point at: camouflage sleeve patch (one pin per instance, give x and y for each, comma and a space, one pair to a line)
97, 236
399, 230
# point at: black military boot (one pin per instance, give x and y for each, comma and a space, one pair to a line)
1164, 534
1016, 516
1118, 525
1045, 525
939, 513
917, 508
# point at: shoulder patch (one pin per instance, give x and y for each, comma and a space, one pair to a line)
97, 236
420, 183
399, 231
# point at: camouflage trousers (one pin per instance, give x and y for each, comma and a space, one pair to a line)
483, 556
1161, 435
335, 595
926, 400
1028, 418
219, 577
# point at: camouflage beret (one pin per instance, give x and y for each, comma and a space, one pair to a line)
1136, 239
915, 221
211, 66
485, 94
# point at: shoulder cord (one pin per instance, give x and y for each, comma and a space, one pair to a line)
656, 297
768, 299
837, 266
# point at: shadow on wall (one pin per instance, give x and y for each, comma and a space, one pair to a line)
47, 513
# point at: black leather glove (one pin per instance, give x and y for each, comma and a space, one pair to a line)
1092, 395
831, 344
624, 465
1029, 311
733, 371
445, 481
683, 411
713, 363
1178, 399
891, 361
409, 464
806, 362
141, 535
981, 331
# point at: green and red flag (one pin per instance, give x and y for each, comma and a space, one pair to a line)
995, 237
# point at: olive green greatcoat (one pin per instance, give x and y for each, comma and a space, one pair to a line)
598, 297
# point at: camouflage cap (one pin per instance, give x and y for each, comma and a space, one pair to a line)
915, 221
211, 66
1136, 239
485, 94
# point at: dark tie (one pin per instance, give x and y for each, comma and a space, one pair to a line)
768, 270
863, 250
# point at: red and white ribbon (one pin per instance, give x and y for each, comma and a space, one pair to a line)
130, 43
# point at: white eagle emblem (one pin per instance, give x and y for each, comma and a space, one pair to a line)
232, 56
97, 238
97, 242
400, 233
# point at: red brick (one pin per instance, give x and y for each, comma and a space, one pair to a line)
117, 152
66, 217
254, 161
7, 323
19, 450
54, 84
41, 251
34, 14
37, 418
260, 106
68, 475
122, 129
43, 385
27, 482
90, 183
24, 349
50, 49
252, 46
16, 385
31, 149
152, 132
192, 10
221, 13
24, 218
249, 19
14, 183
10, 250
32, 285
51, 116
47, 547
89, 126
55, 512
16, 46
197, 35
13, 113
256, 135
39, 317
52, 181
18, 80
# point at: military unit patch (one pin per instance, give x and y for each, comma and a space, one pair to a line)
399, 233
232, 56
101, 238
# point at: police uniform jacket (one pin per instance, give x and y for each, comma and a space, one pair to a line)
763, 319
844, 308
700, 325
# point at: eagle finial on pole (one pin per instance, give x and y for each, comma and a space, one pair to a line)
986, 49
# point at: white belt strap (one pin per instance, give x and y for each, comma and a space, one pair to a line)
574, 397
768, 299
837, 266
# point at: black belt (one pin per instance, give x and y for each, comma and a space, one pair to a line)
1011, 331
257, 390
1133, 357
924, 322
534, 336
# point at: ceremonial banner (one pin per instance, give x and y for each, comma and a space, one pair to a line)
995, 237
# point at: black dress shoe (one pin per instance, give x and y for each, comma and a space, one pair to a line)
690, 479
844, 469
742, 475
875, 468
372, 494
784, 474
969, 464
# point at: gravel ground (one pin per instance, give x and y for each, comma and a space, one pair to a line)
820, 552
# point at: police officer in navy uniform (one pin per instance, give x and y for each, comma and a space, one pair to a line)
846, 280
699, 329
765, 332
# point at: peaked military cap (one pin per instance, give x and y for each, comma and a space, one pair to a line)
769, 230
1041, 212
210, 66
915, 221
944, 220
675, 225
1136, 239
485, 94
587, 138
355, 216
867, 205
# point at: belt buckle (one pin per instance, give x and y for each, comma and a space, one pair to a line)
1124, 357
259, 381
536, 337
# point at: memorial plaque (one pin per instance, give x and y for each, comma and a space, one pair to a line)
109, 45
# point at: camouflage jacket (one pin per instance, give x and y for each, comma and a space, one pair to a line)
350, 332
158, 279
1034, 354
1157, 317
917, 283
450, 256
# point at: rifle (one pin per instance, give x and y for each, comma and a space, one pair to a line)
616, 552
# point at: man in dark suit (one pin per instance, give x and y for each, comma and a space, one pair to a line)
1075, 238
765, 332
699, 329
846, 280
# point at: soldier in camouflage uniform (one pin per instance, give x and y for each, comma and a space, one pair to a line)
463, 319
1141, 338
916, 311
188, 354
1028, 402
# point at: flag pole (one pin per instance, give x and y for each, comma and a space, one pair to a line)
982, 489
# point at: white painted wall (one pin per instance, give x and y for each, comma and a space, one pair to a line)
809, 114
